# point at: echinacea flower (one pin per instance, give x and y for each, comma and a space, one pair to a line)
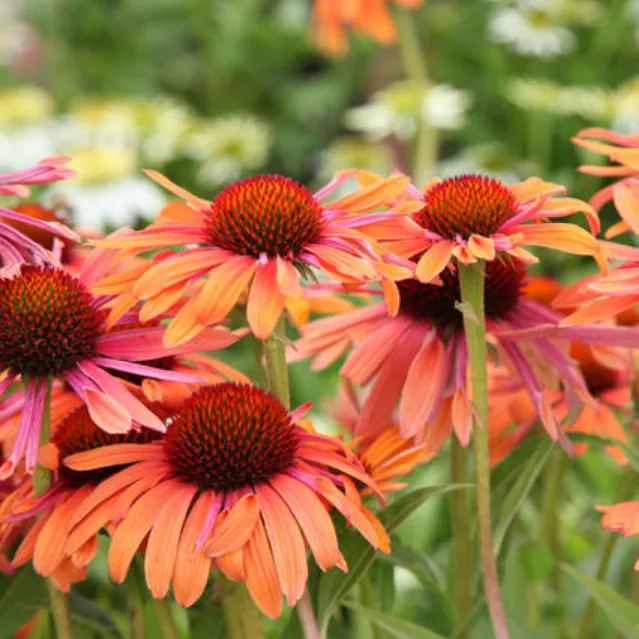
622, 517
331, 18
51, 327
258, 234
418, 357
17, 247
474, 217
44, 543
234, 484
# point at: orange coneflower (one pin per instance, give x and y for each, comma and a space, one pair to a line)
418, 357
44, 543
331, 18
622, 517
258, 234
474, 217
240, 486
52, 327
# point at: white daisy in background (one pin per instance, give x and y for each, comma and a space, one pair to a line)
485, 159
532, 94
625, 107
348, 152
398, 109
228, 147
533, 28
26, 127
108, 190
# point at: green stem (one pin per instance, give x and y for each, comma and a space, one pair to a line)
471, 279
137, 600
414, 60
277, 376
462, 557
242, 618
164, 618
628, 488
41, 483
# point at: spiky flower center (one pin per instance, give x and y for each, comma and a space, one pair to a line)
438, 304
231, 436
47, 322
466, 205
266, 214
79, 433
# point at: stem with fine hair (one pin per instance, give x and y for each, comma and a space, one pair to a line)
41, 482
471, 280
277, 377
416, 69
628, 487
462, 557
164, 617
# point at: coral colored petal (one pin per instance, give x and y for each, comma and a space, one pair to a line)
161, 549
130, 534
223, 288
261, 574
434, 260
562, 237
288, 278
89, 527
108, 414
192, 567
197, 202
462, 416
113, 455
265, 301
234, 530
286, 543
310, 514
373, 196
626, 199
419, 399
482, 248
232, 565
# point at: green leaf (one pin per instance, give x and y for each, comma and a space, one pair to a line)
21, 596
395, 627
517, 495
359, 554
86, 612
623, 614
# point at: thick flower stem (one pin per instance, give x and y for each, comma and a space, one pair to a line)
628, 488
471, 279
462, 557
416, 69
164, 618
242, 618
41, 483
277, 376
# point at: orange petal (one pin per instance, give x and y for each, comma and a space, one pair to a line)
482, 248
434, 260
108, 414
233, 530
265, 302
197, 202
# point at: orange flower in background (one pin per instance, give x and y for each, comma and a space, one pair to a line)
474, 217
260, 234
332, 18
237, 484
623, 518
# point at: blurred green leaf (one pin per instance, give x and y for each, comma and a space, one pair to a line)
359, 554
21, 596
395, 627
536, 560
86, 612
623, 614
516, 496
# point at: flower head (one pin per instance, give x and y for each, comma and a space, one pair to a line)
474, 217
52, 327
418, 358
260, 233
241, 487
371, 17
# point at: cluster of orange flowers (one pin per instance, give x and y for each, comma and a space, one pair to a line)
179, 457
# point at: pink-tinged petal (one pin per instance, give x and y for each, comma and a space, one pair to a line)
622, 139
195, 201
109, 384
434, 260
564, 206
599, 310
482, 248
52, 227
559, 236
180, 213
626, 199
419, 399
224, 286
148, 371
265, 301
391, 297
340, 264
288, 279
462, 415
152, 238
108, 414
372, 196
